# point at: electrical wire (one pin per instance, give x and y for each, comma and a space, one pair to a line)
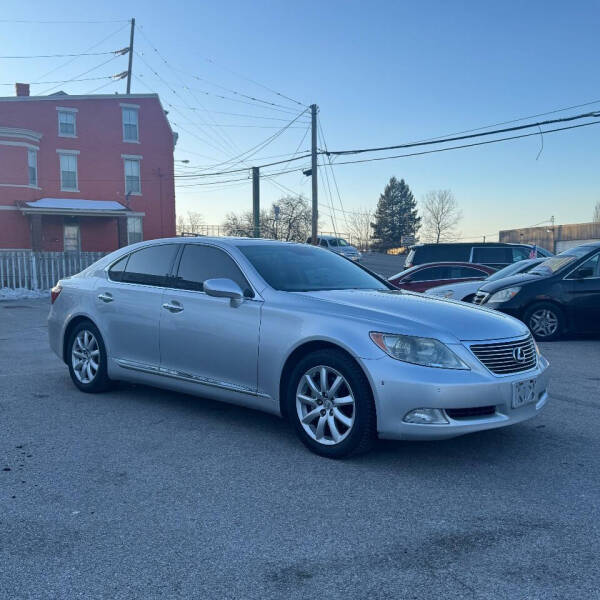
442, 140
70, 80
64, 55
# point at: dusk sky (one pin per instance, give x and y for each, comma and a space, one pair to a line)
382, 73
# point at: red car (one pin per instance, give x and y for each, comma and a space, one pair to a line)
423, 277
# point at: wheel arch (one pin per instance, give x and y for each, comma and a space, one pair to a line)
73, 322
303, 350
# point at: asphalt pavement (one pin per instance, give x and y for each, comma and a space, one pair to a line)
142, 493
383, 264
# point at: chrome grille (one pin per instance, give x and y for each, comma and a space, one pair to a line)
480, 297
507, 357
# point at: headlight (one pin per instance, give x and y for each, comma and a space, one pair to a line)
418, 351
504, 295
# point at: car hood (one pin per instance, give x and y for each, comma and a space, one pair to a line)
512, 281
417, 314
346, 250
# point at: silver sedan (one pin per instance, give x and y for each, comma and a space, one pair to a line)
300, 332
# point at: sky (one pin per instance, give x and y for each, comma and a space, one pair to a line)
381, 73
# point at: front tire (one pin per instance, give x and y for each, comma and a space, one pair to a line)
86, 357
330, 404
545, 321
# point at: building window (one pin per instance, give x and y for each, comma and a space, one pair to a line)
71, 237
134, 230
66, 123
132, 176
130, 125
32, 167
68, 172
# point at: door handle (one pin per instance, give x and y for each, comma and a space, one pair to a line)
105, 297
173, 307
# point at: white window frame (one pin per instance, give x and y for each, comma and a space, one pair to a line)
134, 108
134, 223
132, 158
32, 153
73, 111
74, 154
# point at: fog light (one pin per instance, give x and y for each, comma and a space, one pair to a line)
426, 416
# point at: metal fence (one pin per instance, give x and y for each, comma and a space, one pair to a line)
41, 270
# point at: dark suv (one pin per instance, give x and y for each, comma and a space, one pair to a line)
493, 254
558, 295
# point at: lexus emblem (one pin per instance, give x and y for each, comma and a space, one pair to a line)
519, 355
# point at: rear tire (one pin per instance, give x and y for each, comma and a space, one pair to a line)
545, 321
330, 404
86, 357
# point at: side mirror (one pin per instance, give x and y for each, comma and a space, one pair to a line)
583, 273
224, 288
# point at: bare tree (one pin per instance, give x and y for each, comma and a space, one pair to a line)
288, 219
191, 222
440, 215
597, 212
359, 225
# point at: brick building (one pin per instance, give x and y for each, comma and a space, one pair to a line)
89, 173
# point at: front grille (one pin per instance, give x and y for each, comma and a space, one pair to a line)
475, 411
480, 297
507, 357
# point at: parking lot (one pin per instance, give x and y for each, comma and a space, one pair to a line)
142, 493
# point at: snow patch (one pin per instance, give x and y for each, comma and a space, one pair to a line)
22, 293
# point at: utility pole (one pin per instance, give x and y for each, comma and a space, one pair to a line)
130, 56
256, 200
315, 181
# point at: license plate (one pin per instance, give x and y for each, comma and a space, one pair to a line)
523, 393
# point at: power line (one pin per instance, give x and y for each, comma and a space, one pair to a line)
77, 54
81, 74
70, 61
504, 139
463, 137
114, 77
60, 22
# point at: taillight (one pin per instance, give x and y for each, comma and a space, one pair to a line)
55, 292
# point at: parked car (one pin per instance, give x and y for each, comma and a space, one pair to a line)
493, 254
339, 246
423, 277
561, 294
466, 290
297, 331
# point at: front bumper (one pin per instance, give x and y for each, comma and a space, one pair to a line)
400, 387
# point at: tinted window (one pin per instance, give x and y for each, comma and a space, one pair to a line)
591, 268
492, 255
431, 274
519, 253
117, 270
441, 252
466, 272
199, 263
323, 243
151, 265
306, 268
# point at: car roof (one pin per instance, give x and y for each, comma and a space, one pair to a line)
468, 244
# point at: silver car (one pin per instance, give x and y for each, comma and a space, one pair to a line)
300, 332
339, 246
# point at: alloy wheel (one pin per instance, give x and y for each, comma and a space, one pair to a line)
85, 356
543, 322
325, 405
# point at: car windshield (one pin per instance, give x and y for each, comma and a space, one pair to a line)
518, 267
559, 262
342, 242
300, 268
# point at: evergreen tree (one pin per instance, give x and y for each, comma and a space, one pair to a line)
396, 215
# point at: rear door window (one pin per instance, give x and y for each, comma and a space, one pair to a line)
520, 253
441, 253
432, 274
151, 265
492, 255
467, 273
199, 263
